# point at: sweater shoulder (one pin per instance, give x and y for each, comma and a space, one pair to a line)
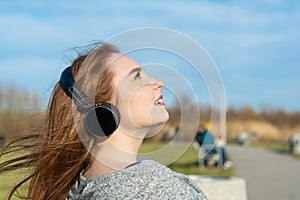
147, 179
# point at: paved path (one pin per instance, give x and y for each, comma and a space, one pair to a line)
269, 175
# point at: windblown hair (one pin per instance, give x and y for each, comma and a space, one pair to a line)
56, 156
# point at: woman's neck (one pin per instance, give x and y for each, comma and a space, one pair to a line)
114, 154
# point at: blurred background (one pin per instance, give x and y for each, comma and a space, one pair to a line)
255, 45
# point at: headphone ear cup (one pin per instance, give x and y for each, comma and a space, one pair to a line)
102, 120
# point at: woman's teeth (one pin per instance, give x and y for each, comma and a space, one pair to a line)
158, 102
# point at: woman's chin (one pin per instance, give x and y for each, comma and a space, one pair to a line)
160, 121
159, 116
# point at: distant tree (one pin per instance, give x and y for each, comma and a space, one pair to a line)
18, 111
248, 113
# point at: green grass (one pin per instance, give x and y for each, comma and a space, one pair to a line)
297, 156
188, 163
9, 179
6, 181
277, 147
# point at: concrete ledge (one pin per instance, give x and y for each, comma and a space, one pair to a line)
232, 188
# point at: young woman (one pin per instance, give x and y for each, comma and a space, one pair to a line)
76, 158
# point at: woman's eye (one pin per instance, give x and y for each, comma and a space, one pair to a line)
137, 76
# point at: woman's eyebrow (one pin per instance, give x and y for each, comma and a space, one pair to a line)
137, 69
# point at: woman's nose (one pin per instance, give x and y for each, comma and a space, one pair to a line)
158, 84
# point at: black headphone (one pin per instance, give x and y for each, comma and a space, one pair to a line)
100, 119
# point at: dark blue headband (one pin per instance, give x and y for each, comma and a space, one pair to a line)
68, 85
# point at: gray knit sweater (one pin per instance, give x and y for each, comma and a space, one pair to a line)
145, 180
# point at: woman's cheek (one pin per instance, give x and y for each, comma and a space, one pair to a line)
140, 110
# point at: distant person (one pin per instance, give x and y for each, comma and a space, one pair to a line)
294, 143
291, 143
203, 136
207, 140
88, 150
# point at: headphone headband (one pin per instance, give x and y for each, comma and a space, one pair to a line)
71, 89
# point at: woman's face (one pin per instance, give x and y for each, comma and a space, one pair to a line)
138, 95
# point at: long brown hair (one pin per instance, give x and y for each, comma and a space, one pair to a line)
56, 156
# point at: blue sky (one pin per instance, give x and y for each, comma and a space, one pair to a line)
255, 44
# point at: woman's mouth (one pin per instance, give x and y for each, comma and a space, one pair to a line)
159, 101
